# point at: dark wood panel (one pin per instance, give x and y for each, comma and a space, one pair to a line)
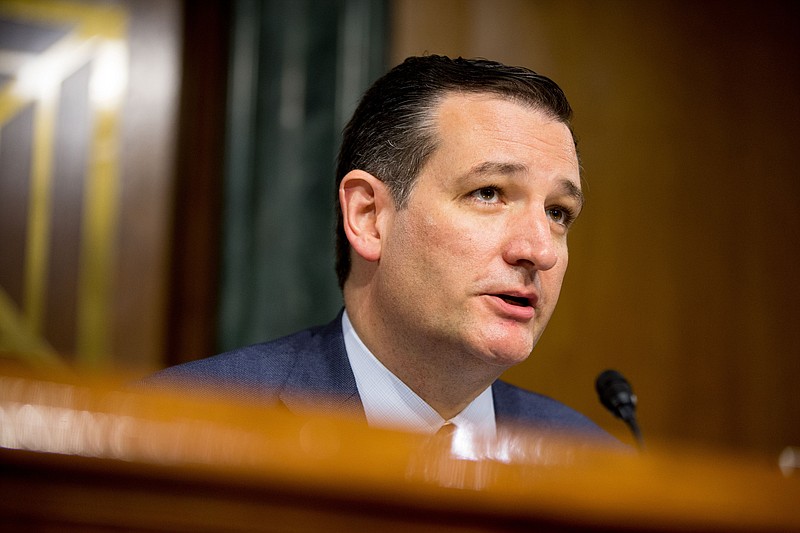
16, 141
71, 152
149, 133
197, 207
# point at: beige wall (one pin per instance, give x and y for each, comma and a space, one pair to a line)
683, 266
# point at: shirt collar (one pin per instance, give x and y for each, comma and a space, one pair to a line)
390, 403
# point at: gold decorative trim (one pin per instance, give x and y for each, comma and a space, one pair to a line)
99, 37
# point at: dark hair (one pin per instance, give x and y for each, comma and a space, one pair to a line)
392, 132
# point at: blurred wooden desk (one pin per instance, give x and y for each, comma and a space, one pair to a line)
75, 457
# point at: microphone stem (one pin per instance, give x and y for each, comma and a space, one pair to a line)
634, 426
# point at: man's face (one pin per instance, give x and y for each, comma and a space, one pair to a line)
474, 262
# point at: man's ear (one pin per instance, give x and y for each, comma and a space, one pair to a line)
364, 200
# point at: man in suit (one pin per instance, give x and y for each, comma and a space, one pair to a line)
458, 181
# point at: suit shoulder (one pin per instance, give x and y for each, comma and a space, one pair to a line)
259, 369
515, 405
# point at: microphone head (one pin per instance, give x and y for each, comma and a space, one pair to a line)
616, 394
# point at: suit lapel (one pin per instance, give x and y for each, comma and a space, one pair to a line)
321, 378
505, 407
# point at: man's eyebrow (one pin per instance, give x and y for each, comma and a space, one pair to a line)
497, 167
574, 191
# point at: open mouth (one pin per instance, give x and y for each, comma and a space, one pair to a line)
515, 300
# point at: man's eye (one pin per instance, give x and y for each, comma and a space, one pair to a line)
556, 214
487, 194
559, 215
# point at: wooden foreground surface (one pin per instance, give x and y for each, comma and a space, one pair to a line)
91, 457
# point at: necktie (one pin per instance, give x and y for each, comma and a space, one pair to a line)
445, 434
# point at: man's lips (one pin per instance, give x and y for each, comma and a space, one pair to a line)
515, 304
515, 300
519, 297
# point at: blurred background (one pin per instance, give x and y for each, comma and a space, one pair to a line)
166, 186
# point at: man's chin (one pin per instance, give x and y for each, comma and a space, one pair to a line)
509, 348
507, 354
509, 360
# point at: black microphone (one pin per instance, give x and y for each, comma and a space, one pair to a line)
617, 396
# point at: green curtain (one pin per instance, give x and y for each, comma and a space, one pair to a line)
298, 68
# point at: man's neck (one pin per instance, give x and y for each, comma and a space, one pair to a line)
446, 377
389, 403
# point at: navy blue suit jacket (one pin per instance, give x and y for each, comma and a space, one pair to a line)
309, 370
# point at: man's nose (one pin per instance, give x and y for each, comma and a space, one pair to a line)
531, 243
